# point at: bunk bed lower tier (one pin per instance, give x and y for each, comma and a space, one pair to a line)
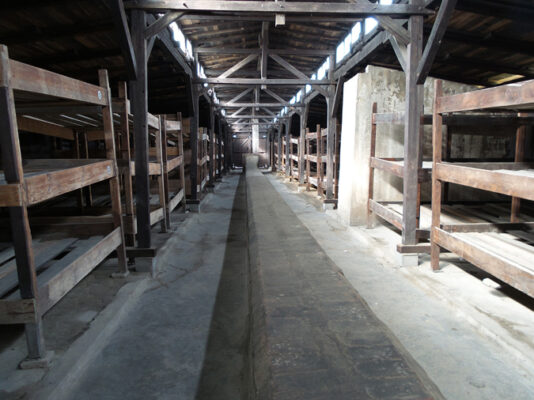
464, 214
49, 178
61, 262
505, 251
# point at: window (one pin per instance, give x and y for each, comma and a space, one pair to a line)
356, 31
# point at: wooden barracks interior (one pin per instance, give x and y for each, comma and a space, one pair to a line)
267, 199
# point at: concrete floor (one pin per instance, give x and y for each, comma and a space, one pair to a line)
185, 334
438, 325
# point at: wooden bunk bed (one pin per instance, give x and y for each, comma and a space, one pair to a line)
203, 159
173, 163
82, 124
293, 158
505, 250
392, 211
42, 281
315, 146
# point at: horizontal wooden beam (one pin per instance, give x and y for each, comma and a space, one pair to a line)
239, 105
232, 50
271, 7
258, 81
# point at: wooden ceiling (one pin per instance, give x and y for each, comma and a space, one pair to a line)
487, 42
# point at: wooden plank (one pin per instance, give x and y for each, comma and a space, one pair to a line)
65, 274
176, 199
27, 78
487, 227
386, 213
51, 184
372, 153
414, 249
496, 263
510, 183
355, 9
516, 95
12, 195
43, 251
23, 311
44, 128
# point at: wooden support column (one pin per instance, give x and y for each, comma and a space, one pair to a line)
412, 130
193, 140
164, 171
330, 146
211, 170
302, 144
288, 148
219, 148
20, 227
280, 130
140, 111
520, 140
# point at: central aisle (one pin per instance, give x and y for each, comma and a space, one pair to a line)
313, 336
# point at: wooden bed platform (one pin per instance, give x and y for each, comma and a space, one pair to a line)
29, 182
504, 249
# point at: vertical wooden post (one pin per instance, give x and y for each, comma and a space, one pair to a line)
302, 144
88, 192
288, 147
320, 169
520, 139
280, 130
219, 147
412, 133
308, 161
193, 140
140, 112
165, 172
20, 226
181, 152
437, 144
78, 155
372, 153
330, 147
111, 154
162, 121
126, 157
211, 145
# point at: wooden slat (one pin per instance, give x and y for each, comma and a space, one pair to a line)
51, 184
36, 80
44, 128
174, 162
386, 213
66, 273
515, 95
510, 183
11, 195
494, 261
21, 311
153, 121
178, 197
173, 126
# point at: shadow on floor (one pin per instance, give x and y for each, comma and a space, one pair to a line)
225, 371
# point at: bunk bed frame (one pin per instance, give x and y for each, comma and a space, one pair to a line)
28, 182
173, 160
505, 250
391, 211
320, 158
